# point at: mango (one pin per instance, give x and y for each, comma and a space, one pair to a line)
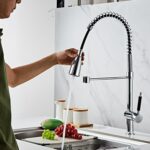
51, 124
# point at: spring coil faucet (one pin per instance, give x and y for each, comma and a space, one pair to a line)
76, 68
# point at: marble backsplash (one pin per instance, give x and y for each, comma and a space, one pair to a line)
106, 55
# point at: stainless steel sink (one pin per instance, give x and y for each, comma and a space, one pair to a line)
22, 134
92, 144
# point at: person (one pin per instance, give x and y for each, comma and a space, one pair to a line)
15, 76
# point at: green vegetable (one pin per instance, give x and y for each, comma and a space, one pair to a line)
51, 124
47, 134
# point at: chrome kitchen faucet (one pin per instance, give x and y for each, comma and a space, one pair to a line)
76, 67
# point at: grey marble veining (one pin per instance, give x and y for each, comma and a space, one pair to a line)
106, 55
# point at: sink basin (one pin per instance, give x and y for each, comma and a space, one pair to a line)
90, 144
28, 133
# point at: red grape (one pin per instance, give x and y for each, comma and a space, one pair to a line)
71, 131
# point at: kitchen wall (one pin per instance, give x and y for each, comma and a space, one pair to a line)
29, 36
106, 55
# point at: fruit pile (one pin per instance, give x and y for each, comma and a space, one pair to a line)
71, 131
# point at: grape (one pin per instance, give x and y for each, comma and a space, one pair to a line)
71, 131
72, 127
80, 137
73, 136
68, 125
75, 131
47, 134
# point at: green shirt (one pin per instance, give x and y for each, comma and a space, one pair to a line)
7, 138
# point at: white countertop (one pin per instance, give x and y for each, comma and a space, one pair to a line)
116, 134
137, 144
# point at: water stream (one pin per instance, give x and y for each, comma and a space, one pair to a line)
67, 109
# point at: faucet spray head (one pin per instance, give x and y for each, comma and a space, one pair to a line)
76, 65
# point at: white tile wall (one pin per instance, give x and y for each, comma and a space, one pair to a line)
106, 55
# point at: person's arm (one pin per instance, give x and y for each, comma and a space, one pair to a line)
19, 75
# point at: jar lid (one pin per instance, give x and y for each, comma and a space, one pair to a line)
80, 109
69, 108
60, 101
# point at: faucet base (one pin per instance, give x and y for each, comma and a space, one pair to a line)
130, 127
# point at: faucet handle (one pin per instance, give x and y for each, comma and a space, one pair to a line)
139, 102
139, 117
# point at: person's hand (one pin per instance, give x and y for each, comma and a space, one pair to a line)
67, 56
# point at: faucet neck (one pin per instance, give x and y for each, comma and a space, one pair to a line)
76, 65
111, 15
130, 125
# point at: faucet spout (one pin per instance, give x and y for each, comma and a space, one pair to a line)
76, 65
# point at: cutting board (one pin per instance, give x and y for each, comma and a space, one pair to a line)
58, 140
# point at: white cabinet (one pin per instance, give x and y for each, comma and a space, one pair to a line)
71, 3
100, 1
